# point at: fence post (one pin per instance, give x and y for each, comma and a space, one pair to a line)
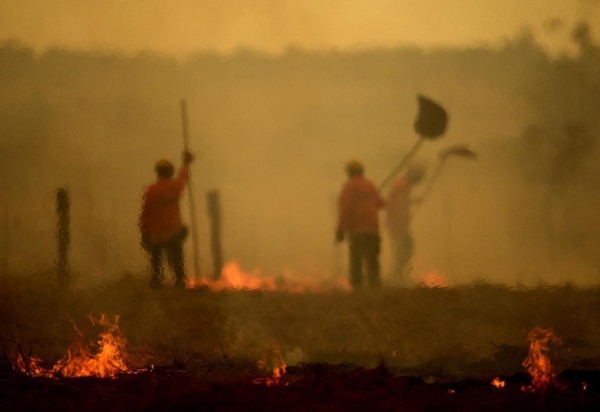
63, 234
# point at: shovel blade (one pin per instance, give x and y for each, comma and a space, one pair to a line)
431, 120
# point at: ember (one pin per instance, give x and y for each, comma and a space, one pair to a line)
498, 383
31, 366
277, 365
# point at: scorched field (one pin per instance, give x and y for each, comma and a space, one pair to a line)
125, 346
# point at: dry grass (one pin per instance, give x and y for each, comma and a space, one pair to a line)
469, 331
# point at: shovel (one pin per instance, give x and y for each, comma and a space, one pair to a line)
430, 124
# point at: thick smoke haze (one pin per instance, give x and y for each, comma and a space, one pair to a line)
186, 26
272, 134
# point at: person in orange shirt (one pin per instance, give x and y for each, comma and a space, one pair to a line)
398, 219
160, 221
358, 205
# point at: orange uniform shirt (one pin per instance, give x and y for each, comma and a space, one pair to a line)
358, 206
160, 218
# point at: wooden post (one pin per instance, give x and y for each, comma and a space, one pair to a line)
63, 234
193, 226
214, 213
338, 265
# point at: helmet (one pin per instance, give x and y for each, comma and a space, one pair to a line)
164, 168
354, 168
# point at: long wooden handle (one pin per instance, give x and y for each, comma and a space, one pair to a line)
402, 163
193, 227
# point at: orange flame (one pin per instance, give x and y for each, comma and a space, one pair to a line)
234, 278
31, 366
433, 279
498, 383
109, 362
278, 369
537, 362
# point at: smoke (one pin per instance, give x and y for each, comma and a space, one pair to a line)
187, 26
272, 133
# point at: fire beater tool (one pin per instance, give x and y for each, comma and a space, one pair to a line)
461, 151
430, 124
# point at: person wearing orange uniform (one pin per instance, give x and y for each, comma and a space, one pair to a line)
358, 206
160, 221
398, 218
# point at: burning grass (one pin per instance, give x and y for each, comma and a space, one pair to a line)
441, 337
234, 278
105, 358
539, 363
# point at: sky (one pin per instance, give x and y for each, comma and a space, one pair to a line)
181, 27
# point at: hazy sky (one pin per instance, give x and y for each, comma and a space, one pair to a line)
182, 26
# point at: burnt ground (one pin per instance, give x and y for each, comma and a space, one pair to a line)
317, 387
403, 349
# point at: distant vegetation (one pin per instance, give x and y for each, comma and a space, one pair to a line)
272, 133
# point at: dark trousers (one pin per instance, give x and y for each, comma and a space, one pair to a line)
173, 250
402, 246
364, 253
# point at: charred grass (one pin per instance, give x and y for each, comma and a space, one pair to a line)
387, 349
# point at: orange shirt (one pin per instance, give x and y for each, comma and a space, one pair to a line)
160, 218
358, 204
398, 205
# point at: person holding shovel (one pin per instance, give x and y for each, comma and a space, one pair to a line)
358, 205
398, 219
161, 227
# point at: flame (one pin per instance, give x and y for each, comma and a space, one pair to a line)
279, 368
537, 362
498, 383
234, 278
109, 362
433, 279
31, 366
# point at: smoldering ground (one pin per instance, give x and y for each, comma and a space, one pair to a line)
475, 331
